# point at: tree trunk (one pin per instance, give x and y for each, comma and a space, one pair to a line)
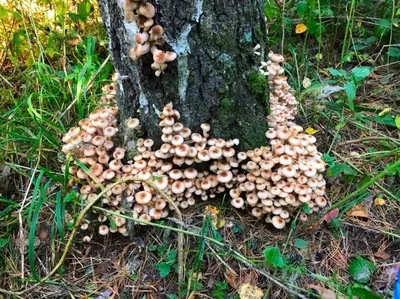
214, 78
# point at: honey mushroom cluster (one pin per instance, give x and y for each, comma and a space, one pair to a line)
273, 181
91, 144
293, 168
150, 35
283, 103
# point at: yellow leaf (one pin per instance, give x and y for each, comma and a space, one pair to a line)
248, 291
300, 28
318, 56
385, 111
379, 201
311, 131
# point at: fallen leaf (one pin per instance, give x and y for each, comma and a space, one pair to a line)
382, 255
328, 217
249, 276
379, 201
248, 291
358, 211
232, 278
311, 131
325, 293
301, 28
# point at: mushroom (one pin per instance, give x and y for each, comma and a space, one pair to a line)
143, 197
147, 10
278, 222
238, 202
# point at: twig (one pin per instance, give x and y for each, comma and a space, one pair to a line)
361, 140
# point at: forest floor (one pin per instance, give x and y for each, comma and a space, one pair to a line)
352, 248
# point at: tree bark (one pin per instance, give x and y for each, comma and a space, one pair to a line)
214, 78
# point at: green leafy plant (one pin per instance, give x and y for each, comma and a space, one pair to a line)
273, 257
168, 263
361, 269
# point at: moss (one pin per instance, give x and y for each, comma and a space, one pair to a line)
255, 135
225, 112
257, 83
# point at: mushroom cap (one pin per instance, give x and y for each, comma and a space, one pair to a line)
205, 127
143, 197
161, 183
119, 221
147, 9
103, 230
205, 184
159, 57
182, 150
190, 173
178, 187
238, 202
86, 239
215, 152
278, 222
133, 123
141, 38
156, 31
203, 155
175, 174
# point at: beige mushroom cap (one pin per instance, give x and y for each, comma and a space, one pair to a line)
143, 197
278, 222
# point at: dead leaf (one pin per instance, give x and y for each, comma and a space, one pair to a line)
358, 211
248, 291
325, 293
232, 279
249, 276
328, 217
382, 255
